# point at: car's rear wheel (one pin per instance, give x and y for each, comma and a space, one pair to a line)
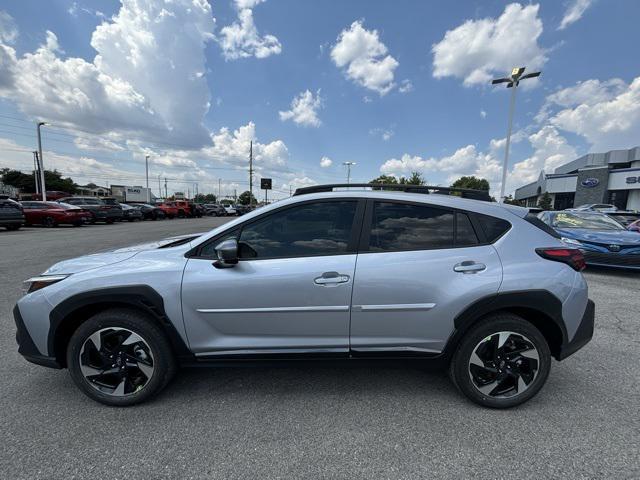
120, 357
49, 222
501, 362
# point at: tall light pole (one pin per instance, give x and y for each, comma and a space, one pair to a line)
512, 82
146, 169
349, 165
42, 186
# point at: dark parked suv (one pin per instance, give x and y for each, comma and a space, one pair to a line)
11, 214
100, 211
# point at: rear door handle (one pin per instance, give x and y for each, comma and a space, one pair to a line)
331, 278
469, 266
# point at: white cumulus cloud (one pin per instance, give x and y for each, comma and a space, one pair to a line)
326, 162
478, 50
304, 109
8, 28
241, 39
364, 58
574, 12
146, 80
605, 113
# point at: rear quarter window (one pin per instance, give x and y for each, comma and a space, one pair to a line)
493, 227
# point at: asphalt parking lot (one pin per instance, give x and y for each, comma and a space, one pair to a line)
315, 422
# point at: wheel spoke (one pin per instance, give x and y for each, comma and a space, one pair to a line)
146, 369
531, 353
132, 338
89, 371
522, 386
476, 360
119, 390
502, 338
488, 388
96, 339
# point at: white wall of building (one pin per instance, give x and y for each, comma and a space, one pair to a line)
562, 184
633, 201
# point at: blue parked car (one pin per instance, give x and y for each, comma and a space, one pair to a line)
603, 241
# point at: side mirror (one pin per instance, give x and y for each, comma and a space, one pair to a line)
227, 252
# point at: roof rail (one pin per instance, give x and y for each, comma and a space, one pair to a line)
424, 189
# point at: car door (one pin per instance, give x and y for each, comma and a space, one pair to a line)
289, 292
419, 266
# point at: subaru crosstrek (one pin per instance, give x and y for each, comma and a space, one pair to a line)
483, 289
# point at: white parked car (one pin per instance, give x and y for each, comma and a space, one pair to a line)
230, 210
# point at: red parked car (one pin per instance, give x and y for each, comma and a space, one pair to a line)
52, 214
169, 208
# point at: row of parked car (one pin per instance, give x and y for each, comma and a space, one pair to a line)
78, 211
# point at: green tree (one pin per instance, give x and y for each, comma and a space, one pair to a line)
414, 179
244, 197
205, 198
509, 200
545, 202
471, 182
389, 179
25, 181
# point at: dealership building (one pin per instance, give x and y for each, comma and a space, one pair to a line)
611, 177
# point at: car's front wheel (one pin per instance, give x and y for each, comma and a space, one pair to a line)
501, 362
120, 357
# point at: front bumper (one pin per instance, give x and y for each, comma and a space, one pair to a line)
582, 336
27, 348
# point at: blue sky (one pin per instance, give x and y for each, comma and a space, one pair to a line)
393, 86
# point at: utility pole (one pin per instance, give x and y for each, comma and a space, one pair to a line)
43, 188
146, 167
290, 191
219, 188
166, 195
159, 188
251, 174
512, 82
36, 171
349, 165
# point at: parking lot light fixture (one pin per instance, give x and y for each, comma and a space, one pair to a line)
44, 188
349, 165
512, 81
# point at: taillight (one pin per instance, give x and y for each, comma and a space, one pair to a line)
571, 256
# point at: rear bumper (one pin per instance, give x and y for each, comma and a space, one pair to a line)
27, 348
582, 336
11, 221
616, 260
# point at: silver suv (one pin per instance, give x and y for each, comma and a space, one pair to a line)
483, 289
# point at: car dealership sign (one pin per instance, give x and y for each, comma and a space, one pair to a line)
590, 182
633, 180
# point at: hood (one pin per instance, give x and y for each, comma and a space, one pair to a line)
620, 237
96, 260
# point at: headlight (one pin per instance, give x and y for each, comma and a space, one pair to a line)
36, 283
571, 241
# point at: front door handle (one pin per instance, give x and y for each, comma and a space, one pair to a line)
331, 278
469, 266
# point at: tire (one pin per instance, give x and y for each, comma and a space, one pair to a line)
109, 222
153, 352
13, 228
512, 371
77, 224
49, 222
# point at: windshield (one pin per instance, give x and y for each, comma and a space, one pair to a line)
584, 220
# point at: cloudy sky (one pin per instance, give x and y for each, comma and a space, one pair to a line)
394, 86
